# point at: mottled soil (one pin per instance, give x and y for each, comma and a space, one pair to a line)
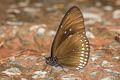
23, 59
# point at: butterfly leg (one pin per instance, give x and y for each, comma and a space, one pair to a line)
63, 69
24, 50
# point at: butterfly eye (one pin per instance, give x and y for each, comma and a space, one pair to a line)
65, 32
70, 29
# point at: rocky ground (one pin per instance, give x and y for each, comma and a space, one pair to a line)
21, 20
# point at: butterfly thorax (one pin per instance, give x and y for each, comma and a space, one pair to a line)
53, 61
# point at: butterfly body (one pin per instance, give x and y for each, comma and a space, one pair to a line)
70, 47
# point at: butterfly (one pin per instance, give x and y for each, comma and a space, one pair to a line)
70, 47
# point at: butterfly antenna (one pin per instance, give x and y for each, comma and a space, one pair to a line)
17, 54
32, 50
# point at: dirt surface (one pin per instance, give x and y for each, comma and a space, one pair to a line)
23, 59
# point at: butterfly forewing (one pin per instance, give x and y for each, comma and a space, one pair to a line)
72, 23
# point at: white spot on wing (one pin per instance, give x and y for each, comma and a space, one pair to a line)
86, 59
70, 29
86, 42
82, 52
81, 61
85, 62
86, 53
86, 45
65, 32
80, 64
82, 44
81, 58
87, 48
83, 48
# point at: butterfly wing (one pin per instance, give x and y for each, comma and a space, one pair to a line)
72, 23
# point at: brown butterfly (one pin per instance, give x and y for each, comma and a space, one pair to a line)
70, 47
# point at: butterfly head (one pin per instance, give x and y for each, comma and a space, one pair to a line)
53, 61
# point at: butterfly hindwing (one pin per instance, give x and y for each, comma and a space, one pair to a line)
74, 51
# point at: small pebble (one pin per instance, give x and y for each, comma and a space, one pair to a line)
90, 22
15, 30
12, 71
24, 3
93, 58
107, 23
116, 14
69, 77
12, 58
51, 33
117, 2
98, 4
93, 73
39, 74
96, 66
15, 23
108, 78
104, 62
108, 8
90, 34
93, 16
111, 71
31, 10
34, 27
38, 4
23, 79
31, 58
16, 11
117, 56
16, 63
4, 78
60, 68
13, 6
52, 9
41, 31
